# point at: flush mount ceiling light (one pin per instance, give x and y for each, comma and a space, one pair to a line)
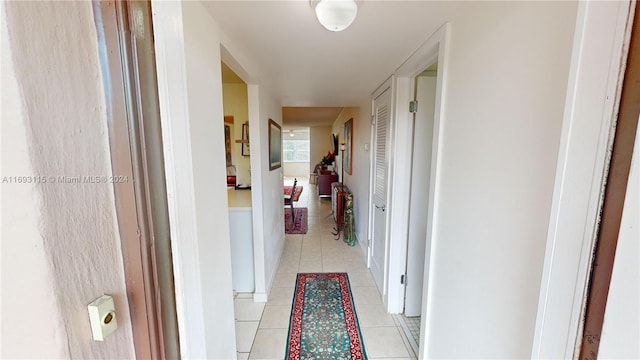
335, 15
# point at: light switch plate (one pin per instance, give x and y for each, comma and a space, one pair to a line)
102, 316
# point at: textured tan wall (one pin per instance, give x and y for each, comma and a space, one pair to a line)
60, 123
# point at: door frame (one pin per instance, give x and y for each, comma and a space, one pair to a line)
434, 49
415, 266
136, 153
591, 105
386, 85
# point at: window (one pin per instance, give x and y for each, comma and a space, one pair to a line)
295, 150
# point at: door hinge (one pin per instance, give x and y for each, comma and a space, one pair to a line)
403, 279
413, 106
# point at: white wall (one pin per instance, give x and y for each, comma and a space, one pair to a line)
190, 47
273, 211
190, 90
621, 329
204, 89
504, 99
60, 243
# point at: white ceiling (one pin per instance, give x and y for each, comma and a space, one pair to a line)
302, 64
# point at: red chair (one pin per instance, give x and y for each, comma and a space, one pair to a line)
288, 198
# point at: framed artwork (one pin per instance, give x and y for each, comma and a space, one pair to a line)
245, 140
275, 145
348, 137
227, 144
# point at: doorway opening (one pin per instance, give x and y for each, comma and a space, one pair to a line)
424, 75
238, 170
423, 108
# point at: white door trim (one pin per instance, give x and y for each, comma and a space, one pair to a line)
591, 104
435, 49
199, 338
179, 178
386, 85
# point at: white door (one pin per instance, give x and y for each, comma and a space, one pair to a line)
420, 176
382, 112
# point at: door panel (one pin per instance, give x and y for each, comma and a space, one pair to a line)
420, 176
377, 253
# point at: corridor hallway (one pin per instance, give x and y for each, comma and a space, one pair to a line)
261, 329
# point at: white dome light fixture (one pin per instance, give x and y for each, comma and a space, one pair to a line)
335, 15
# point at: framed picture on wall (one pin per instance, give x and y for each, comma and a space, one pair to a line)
348, 137
227, 144
275, 145
245, 140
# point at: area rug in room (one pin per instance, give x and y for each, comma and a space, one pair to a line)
296, 196
323, 323
299, 223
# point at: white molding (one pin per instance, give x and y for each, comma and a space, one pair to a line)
253, 102
441, 37
433, 50
172, 94
589, 110
386, 85
399, 193
371, 168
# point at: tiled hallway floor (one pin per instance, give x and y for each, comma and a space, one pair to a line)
261, 329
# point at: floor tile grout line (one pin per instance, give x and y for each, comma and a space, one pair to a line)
319, 237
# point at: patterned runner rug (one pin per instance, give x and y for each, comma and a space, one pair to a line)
323, 323
299, 223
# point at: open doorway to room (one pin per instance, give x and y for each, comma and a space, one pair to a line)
423, 107
236, 123
414, 191
239, 196
238, 167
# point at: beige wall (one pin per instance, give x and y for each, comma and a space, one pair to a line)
358, 181
503, 110
321, 143
60, 243
235, 103
296, 169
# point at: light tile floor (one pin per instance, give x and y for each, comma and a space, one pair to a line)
261, 329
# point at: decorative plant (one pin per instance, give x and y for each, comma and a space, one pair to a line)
328, 159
